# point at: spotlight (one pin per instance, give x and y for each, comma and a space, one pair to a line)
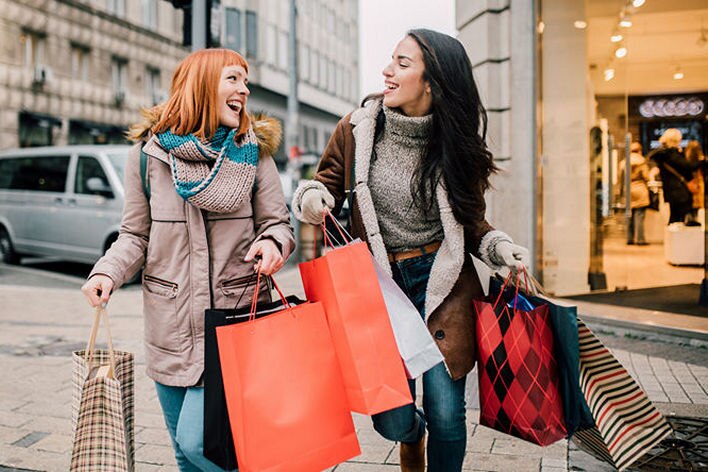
580, 24
678, 74
625, 20
637, 3
621, 51
609, 74
616, 37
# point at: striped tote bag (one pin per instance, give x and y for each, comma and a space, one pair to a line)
102, 407
627, 424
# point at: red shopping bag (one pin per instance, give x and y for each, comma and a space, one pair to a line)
284, 391
519, 389
345, 281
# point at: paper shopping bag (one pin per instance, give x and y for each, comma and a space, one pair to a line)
102, 407
416, 346
284, 392
344, 281
218, 439
518, 375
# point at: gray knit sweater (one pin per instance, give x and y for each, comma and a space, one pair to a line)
402, 224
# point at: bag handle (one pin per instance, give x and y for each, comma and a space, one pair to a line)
254, 301
517, 284
91, 345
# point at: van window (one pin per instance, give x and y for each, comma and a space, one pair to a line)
8, 169
42, 173
88, 168
118, 160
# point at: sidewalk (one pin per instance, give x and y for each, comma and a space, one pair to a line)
40, 327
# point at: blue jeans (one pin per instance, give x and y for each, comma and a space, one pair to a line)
183, 409
443, 399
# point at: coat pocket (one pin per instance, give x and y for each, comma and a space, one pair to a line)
238, 291
162, 322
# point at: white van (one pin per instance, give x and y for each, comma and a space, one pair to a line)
64, 202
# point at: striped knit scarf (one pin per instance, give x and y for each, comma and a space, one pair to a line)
215, 175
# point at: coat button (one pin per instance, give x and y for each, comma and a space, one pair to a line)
439, 334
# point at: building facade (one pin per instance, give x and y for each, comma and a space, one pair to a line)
328, 56
79, 71
75, 71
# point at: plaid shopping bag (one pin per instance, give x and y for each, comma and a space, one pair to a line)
628, 425
102, 407
518, 374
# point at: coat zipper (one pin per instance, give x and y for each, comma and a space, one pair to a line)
158, 281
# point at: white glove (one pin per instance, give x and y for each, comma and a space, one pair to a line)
312, 205
511, 255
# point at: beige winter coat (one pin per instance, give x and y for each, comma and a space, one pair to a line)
639, 176
193, 259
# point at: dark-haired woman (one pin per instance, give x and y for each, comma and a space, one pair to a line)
418, 165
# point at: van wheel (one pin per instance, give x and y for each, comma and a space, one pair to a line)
7, 251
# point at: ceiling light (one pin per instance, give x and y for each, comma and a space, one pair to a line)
616, 37
637, 3
580, 24
678, 74
621, 51
540, 27
609, 74
625, 21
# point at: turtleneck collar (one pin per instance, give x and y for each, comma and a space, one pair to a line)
410, 127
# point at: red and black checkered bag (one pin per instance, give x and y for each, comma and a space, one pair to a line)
518, 375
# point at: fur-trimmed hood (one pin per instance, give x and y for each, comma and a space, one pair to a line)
268, 130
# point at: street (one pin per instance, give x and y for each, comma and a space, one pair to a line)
44, 317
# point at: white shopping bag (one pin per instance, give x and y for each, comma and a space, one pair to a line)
415, 344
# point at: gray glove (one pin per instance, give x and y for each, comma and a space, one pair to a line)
313, 203
511, 255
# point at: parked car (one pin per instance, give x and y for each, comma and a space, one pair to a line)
63, 202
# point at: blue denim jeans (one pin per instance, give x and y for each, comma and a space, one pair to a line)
183, 409
443, 399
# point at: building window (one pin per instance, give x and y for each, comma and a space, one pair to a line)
271, 45
314, 67
35, 44
153, 85
332, 77
323, 73
119, 68
233, 29
251, 34
283, 50
150, 13
304, 62
79, 62
117, 8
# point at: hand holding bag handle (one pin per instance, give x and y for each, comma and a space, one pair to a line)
91, 345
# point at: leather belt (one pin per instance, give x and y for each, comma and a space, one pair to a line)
419, 251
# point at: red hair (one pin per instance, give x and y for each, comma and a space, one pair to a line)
192, 106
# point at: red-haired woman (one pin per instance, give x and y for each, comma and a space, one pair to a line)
214, 205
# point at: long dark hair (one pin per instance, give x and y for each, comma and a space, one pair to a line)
457, 149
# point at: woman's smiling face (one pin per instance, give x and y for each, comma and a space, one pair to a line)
232, 95
405, 88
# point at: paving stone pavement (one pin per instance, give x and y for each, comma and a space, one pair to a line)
39, 327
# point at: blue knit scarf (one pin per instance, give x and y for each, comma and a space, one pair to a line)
217, 174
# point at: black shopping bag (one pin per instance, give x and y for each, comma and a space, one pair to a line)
218, 440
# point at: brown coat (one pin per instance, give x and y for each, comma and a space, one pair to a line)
453, 282
192, 259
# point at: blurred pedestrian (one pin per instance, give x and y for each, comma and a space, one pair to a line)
694, 154
675, 173
204, 207
638, 193
418, 161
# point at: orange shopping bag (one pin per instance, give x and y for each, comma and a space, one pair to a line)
345, 281
284, 392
